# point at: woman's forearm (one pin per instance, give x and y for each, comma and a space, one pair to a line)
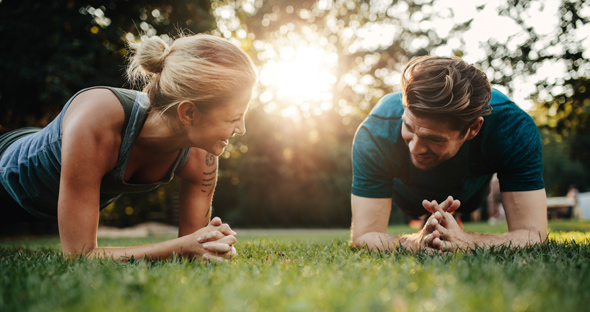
182, 247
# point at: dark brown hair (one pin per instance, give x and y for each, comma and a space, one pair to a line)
446, 89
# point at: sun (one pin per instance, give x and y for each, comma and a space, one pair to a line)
299, 80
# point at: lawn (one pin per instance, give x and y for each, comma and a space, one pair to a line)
306, 271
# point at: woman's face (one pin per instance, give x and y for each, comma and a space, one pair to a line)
216, 126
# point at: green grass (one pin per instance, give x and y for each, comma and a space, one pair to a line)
306, 272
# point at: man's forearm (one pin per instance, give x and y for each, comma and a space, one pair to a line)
517, 238
386, 242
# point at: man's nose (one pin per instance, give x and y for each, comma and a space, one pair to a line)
417, 146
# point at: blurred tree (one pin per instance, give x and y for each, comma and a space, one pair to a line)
323, 66
560, 169
55, 48
52, 49
554, 60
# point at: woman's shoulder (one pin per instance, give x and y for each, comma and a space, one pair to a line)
97, 109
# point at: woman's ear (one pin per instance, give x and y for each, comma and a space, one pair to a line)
187, 112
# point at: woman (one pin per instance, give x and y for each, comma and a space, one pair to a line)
107, 141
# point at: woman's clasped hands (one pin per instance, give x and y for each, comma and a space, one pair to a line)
214, 242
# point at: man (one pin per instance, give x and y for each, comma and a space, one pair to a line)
445, 134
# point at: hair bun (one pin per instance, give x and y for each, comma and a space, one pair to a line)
152, 54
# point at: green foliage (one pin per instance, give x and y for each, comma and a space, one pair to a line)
560, 171
563, 99
55, 48
301, 273
567, 117
297, 170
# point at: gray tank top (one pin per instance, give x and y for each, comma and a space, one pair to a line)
30, 167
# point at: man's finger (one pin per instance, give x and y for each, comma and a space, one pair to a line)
426, 204
441, 208
454, 206
437, 242
443, 245
428, 239
447, 206
430, 224
444, 232
432, 251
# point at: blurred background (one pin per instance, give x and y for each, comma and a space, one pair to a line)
323, 65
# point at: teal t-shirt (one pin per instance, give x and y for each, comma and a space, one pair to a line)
508, 144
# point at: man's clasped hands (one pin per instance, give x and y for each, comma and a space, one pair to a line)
441, 232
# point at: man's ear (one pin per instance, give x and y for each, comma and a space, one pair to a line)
187, 112
474, 128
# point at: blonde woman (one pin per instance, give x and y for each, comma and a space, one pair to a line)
108, 141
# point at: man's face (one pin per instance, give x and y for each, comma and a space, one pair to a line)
431, 142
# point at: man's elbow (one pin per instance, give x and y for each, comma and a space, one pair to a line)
359, 240
355, 240
538, 234
532, 236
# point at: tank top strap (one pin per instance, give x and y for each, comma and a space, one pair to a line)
127, 98
181, 160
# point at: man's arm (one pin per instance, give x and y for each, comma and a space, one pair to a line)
370, 217
526, 215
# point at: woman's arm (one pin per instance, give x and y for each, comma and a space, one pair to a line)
199, 177
90, 144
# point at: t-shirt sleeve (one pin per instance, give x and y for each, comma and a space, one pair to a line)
521, 154
371, 175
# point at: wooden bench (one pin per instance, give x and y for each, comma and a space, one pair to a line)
560, 207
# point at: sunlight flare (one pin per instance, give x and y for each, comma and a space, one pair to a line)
302, 79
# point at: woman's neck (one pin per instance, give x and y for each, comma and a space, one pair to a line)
158, 136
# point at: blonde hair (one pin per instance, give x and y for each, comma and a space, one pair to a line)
204, 69
446, 88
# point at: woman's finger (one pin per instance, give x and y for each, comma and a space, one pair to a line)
229, 239
210, 236
215, 221
212, 257
232, 253
225, 229
217, 248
